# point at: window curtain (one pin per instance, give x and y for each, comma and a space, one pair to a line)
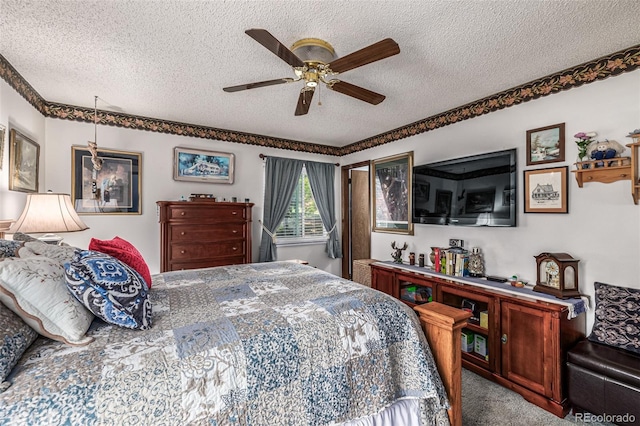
321, 180
281, 178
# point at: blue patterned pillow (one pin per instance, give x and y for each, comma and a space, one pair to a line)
110, 289
617, 322
16, 336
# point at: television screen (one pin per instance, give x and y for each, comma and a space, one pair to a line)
479, 190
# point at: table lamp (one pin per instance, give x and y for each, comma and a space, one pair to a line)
48, 213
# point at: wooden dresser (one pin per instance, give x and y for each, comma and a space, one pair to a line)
199, 234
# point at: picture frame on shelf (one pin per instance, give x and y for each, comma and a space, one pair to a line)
546, 144
391, 193
24, 163
197, 165
114, 189
546, 190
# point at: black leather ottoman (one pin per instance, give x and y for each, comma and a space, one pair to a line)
604, 380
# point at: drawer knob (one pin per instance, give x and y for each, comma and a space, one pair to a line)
234, 212
181, 251
181, 213
235, 248
182, 233
504, 339
234, 231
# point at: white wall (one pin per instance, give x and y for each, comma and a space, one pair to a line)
17, 113
602, 228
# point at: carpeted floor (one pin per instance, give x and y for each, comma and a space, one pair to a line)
487, 403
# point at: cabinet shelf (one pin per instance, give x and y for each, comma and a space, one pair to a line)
477, 329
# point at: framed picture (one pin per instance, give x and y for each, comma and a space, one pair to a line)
391, 186
480, 201
24, 163
546, 190
196, 165
443, 203
545, 145
114, 189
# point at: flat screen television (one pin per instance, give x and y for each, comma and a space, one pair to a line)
478, 190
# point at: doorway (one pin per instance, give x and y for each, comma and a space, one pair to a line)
356, 215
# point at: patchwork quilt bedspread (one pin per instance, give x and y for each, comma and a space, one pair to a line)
260, 344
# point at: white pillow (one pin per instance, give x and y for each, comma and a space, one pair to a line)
35, 289
37, 248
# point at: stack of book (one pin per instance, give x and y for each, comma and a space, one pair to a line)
452, 261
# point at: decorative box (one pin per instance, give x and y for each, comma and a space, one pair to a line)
467, 341
480, 346
484, 319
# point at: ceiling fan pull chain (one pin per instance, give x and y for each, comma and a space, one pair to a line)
319, 96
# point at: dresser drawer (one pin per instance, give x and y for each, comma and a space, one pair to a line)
203, 213
198, 250
226, 231
208, 263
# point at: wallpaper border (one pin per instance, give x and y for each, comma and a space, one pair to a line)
599, 69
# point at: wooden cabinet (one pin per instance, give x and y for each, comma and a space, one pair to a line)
525, 340
199, 234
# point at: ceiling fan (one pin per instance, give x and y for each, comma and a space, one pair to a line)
313, 61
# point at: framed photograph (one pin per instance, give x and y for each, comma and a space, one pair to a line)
545, 145
480, 201
24, 163
546, 190
196, 165
391, 186
2, 132
114, 189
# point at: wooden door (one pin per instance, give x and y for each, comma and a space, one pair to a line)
360, 216
527, 357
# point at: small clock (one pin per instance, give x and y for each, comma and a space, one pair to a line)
557, 274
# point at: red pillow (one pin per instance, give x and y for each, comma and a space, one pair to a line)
124, 251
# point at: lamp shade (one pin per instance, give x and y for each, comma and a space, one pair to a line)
48, 212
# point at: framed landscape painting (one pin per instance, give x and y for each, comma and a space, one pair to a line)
114, 189
196, 165
24, 163
545, 145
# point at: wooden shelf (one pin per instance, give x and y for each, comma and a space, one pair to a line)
613, 170
607, 171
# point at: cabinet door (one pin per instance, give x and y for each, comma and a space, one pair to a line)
527, 357
383, 280
479, 335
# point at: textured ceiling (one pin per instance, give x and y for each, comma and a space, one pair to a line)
170, 59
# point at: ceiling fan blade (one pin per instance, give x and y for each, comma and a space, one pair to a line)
257, 84
270, 42
304, 101
375, 52
356, 92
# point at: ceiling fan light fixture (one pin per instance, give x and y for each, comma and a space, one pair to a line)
313, 50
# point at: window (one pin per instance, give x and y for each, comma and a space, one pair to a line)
302, 222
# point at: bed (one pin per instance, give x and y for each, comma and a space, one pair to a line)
274, 343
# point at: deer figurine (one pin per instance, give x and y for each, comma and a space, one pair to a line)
397, 254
